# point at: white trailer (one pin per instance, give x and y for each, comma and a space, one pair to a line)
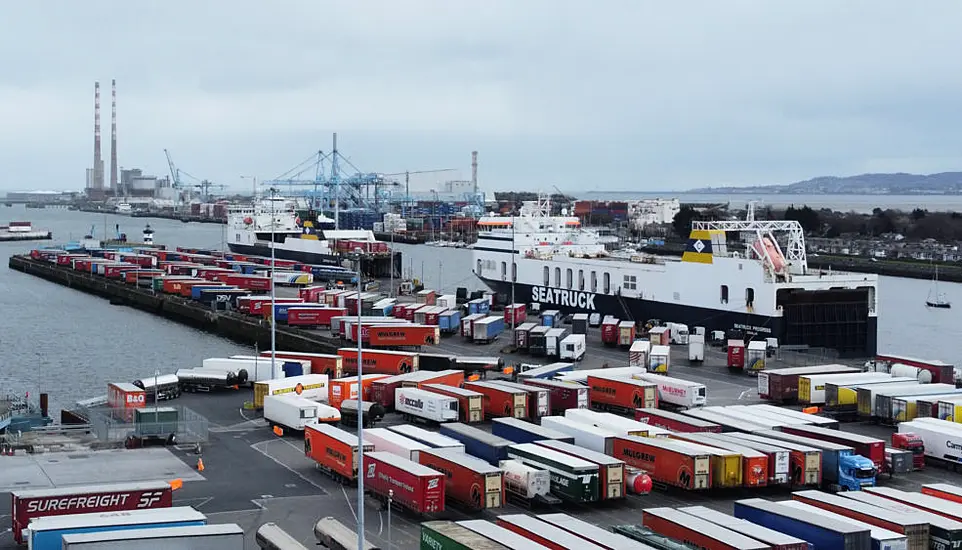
677, 392
221, 536
294, 412
278, 363
696, 348
523, 480
615, 423
552, 341
257, 371
425, 405
387, 441
308, 386
573, 347
581, 376
638, 353
659, 359
942, 439
426, 437
586, 435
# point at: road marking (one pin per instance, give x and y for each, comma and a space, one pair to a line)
349, 505
743, 394
288, 468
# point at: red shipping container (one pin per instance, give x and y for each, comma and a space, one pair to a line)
255, 305
674, 421
696, 531
60, 501
431, 317
621, 394
869, 447
124, 398
609, 331
321, 363
116, 271
454, 378
313, 316
665, 461
311, 293
563, 395
501, 400
382, 390
252, 282
340, 389
736, 354
469, 481
402, 335
334, 450
416, 487
379, 362
515, 314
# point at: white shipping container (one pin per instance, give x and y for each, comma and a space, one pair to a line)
429, 438
523, 480
638, 353
573, 347
816, 384
676, 391
942, 439
257, 371
221, 536
291, 411
615, 423
265, 362
696, 348
659, 359
308, 386
586, 435
552, 341
582, 375
427, 405
447, 301
387, 441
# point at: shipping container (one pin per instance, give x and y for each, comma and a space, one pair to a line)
659, 359
399, 335
616, 423
945, 491
515, 314
579, 323
591, 532
501, 535
478, 443
447, 535
379, 361
806, 462
572, 479
470, 402
944, 533
942, 372
867, 394
626, 333
46, 533
501, 400
315, 316
426, 406
382, 390
882, 539
538, 398
775, 539
676, 393
388, 441
544, 533
346, 388
469, 481
905, 407
696, 532
869, 447
736, 354
728, 423
521, 431
779, 458
333, 450
620, 394
665, 460
308, 386
433, 440
889, 403
124, 397
448, 377
29, 505
842, 469
811, 387
726, 465
487, 330
914, 528
226, 536
813, 419
527, 483
449, 322
941, 439
295, 412
562, 395
415, 487
675, 421
782, 384
609, 330
638, 353
590, 437
822, 532
467, 324
842, 400
754, 465
611, 471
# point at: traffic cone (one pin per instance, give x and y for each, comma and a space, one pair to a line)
200, 464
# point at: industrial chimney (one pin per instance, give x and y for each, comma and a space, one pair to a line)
474, 171
113, 136
98, 182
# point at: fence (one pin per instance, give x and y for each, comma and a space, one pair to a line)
115, 424
804, 356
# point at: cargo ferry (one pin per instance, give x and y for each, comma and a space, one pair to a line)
747, 274
251, 227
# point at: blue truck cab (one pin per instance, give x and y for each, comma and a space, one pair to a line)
855, 472
842, 468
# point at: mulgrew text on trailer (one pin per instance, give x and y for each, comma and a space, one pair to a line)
564, 298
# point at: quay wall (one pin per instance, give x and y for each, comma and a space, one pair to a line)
235, 326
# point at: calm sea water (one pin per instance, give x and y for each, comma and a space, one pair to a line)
70, 344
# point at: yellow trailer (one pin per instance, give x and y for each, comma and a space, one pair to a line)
726, 466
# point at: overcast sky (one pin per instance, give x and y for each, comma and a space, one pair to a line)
633, 95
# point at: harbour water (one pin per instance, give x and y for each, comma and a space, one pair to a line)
71, 344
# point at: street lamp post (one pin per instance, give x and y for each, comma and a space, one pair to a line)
390, 497
360, 414
273, 296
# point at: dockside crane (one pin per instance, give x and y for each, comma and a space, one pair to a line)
407, 182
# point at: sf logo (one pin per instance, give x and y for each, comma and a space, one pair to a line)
149, 499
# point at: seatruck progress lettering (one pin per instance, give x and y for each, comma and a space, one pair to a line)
564, 298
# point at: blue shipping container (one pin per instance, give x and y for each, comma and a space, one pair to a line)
824, 533
196, 289
449, 322
521, 431
478, 443
46, 533
479, 305
292, 369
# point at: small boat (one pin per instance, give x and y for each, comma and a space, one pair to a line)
939, 302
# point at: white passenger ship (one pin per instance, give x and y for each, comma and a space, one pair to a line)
732, 275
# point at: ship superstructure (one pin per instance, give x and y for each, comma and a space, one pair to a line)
743, 274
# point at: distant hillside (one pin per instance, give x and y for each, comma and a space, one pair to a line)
945, 183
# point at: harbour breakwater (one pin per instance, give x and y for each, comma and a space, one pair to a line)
239, 328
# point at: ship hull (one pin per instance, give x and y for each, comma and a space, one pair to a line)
302, 256
859, 338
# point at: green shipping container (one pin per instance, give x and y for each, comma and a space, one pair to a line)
157, 283
447, 535
572, 478
155, 421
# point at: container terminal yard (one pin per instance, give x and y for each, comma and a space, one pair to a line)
523, 430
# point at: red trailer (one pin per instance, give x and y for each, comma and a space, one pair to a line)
470, 402
782, 384
402, 335
313, 316
675, 422
255, 305
869, 447
665, 461
250, 282
124, 397
379, 361
88, 499
334, 450
609, 331
117, 271
501, 400
621, 394
469, 481
448, 377
416, 487
697, 532
382, 390
736, 354
626, 333
945, 491
321, 363
942, 372
514, 314
311, 293
563, 395
544, 534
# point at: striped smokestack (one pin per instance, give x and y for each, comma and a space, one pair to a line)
98, 182
113, 135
